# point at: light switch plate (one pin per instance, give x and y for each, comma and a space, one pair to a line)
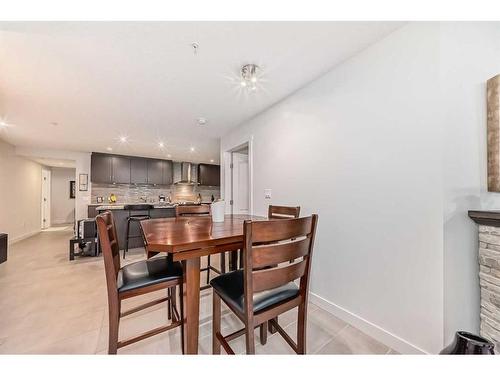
267, 193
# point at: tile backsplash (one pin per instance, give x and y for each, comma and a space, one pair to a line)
134, 193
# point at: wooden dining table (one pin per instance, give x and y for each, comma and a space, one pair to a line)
187, 239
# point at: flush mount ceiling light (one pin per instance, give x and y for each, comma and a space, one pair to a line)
249, 76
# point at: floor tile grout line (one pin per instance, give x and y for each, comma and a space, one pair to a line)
334, 336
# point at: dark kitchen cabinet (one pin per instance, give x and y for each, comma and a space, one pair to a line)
160, 172
155, 171
118, 169
168, 172
121, 170
139, 171
101, 168
208, 175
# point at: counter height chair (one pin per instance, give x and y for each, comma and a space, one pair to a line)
136, 213
135, 279
257, 294
202, 210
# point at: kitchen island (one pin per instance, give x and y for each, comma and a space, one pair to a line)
121, 215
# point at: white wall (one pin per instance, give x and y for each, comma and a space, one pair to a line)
82, 161
470, 55
20, 194
62, 206
361, 146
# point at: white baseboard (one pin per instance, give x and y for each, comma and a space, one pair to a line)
23, 237
397, 343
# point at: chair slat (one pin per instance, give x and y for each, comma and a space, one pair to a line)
275, 277
278, 212
280, 252
279, 230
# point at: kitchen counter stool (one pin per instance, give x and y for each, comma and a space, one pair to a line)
135, 218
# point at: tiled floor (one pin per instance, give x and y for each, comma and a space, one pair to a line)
51, 305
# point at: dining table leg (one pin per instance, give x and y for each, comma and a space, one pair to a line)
191, 297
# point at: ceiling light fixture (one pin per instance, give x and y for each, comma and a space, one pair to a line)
249, 76
3, 124
169, 156
211, 160
192, 149
161, 144
109, 149
123, 139
195, 46
202, 121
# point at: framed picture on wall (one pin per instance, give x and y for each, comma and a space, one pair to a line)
72, 189
83, 182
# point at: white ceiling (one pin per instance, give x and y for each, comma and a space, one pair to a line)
98, 81
55, 163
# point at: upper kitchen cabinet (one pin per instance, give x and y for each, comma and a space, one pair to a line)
139, 171
155, 171
118, 169
121, 170
109, 169
209, 175
101, 168
168, 172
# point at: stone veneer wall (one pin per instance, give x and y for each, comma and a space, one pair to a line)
489, 280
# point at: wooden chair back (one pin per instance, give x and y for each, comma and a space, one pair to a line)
201, 210
275, 242
283, 212
108, 239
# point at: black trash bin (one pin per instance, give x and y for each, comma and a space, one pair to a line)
468, 343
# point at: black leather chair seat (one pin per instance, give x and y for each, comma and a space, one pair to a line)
147, 272
229, 286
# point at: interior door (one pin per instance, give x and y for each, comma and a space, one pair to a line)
240, 184
45, 199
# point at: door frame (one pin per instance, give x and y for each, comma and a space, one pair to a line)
227, 173
45, 210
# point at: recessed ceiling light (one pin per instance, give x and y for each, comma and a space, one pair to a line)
202, 121
169, 156
211, 160
123, 139
54, 124
109, 148
3, 124
161, 144
192, 149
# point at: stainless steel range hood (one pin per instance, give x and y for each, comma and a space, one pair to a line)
186, 174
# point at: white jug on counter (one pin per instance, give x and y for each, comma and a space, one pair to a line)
218, 210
